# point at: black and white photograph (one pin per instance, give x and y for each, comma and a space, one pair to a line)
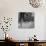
26, 20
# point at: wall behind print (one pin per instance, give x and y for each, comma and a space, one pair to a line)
10, 8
